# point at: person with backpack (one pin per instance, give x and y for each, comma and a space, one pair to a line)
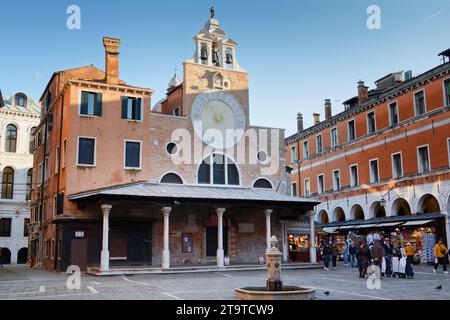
440, 252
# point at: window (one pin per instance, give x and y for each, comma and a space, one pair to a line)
423, 158
171, 178
336, 180
334, 137
305, 150
354, 180
86, 151
32, 144
419, 103
40, 173
374, 174
171, 148
21, 100
26, 222
393, 114
294, 189
351, 130
132, 155
131, 108
262, 156
46, 248
371, 122
448, 151
320, 184
48, 100
53, 249
8, 183
223, 171
319, 147
11, 138
307, 188
397, 167
447, 91
63, 157
5, 227
176, 111
293, 154
57, 154
262, 184
46, 167
29, 184
91, 103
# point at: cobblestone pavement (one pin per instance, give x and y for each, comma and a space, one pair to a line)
19, 282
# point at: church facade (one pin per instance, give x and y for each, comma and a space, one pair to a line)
187, 181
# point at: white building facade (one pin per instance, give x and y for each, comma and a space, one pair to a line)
19, 115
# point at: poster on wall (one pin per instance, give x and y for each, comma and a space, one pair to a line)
187, 243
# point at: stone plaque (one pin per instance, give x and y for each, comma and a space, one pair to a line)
246, 228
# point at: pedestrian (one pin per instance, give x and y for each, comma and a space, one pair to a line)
377, 253
440, 252
326, 255
345, 249
410, 252
352, 253
388, 255
363, 259
369, 239
334, 253
1, 257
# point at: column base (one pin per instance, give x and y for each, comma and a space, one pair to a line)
220, 258
104, 262
166, 259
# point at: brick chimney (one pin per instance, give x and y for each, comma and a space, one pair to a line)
328, 113
316, 117
299, 122
363, 92
111, 59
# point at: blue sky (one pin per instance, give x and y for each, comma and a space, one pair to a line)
297, 52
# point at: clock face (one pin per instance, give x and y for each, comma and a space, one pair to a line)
218, 119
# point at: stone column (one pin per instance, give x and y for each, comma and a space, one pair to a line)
312, 241
104, 258
268, 212
166, 252
447, 227
220, 252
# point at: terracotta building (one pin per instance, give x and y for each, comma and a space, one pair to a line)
122, 183
382, 164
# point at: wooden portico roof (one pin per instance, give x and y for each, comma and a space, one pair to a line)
174, 193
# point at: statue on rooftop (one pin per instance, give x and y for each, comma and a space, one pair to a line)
213, 12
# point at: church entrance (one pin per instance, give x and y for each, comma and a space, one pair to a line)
212, 234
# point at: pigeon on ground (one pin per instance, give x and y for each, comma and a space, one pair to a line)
439, 287
326, 293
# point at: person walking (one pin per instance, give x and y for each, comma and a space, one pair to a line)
440, 252
377, 252
326, 255
345, 252
334, 254
363, 256
388, 254
352, 253
410, 252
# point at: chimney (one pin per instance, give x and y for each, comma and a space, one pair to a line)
299, 122
316, 117
328, 114
363, 92
111, 59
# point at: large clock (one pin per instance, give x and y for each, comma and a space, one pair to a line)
218, 119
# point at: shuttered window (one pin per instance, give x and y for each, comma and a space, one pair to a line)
132, 154
91, 103
86, 151
131, 108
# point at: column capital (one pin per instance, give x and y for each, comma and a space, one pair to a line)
166, 210
268, 212
219, 211
106, 208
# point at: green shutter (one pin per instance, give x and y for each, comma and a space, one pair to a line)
84, 102
138, 109
98, 109
124, 107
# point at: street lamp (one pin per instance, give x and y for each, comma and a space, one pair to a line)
383, 202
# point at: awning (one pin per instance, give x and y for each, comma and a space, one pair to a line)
365, 226
347, 227
330, 229
389, 224
416, 223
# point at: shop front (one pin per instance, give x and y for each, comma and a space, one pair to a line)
421, 231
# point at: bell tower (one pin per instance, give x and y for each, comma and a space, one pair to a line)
214, 68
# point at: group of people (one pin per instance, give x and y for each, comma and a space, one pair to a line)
390, 259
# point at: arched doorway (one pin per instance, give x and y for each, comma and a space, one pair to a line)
212, 235
22, 256
357, 212
6, 254
339, 214
377, 210
428, 204
400, 207
322, 217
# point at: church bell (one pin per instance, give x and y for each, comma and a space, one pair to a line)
229, 58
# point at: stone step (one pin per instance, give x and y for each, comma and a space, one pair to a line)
199, 269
